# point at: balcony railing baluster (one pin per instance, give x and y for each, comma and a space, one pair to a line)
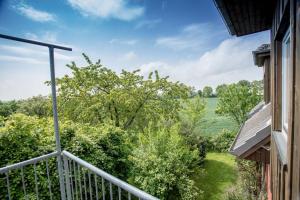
36, 182
79, 178
103, 189
119, 193
8, 186
73, 169
96, 187
49, 180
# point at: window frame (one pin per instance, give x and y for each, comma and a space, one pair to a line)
286, 75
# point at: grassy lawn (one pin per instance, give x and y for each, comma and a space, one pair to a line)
213, 123
220, 174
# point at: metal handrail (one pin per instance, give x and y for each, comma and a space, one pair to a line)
27, 162
51, 48
8, 37
129, 188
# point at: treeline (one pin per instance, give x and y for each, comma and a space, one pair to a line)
208, 91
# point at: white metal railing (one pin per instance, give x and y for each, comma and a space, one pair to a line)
73, 178
85, 179
82, 180
24, 172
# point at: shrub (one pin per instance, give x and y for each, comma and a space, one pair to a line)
8, 107
234, 193
36, 106
162, 164
23, 137
221, 142
104, 146
247, 186
190, 116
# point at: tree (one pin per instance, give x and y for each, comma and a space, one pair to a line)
207, 91
220, 89
244, 83
7, 108
38, 105
200, 93
259, 85
163, 164
96, 94
237, 100
191, 117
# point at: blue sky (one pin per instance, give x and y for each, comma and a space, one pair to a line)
185, 39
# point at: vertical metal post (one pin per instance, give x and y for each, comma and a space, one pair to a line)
67, 174
56, 127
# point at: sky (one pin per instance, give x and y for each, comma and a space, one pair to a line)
184, 39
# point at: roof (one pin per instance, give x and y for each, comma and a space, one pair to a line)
254, 131
243, 17
260, 54
256, 108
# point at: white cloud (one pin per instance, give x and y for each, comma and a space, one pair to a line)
230, 62
17, 59
148, 23
193, 36
126, 42
34, 14
129, 56
25, 68
118, 9
29, 54
46, 36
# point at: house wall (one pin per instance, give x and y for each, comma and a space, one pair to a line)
267, 80
285, 164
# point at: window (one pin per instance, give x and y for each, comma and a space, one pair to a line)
286, 77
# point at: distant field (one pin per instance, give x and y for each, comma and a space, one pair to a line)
213, 123
220, 174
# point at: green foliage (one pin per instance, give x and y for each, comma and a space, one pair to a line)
244, 83
249, 173
162, 164
200, 93
237, 100
7, 108
2, 121
207, 91
212, 123
260, 85
36, 106
220, 89
24, 137
95, 94
221, 142
235, 193
247, 186
191, 116
104, 145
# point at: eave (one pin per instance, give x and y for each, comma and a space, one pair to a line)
243, 17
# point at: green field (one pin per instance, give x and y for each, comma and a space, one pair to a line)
220, 168
213, 123
220, 174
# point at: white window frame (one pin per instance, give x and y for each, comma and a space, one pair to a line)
285, 81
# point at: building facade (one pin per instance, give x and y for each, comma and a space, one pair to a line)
282, 83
